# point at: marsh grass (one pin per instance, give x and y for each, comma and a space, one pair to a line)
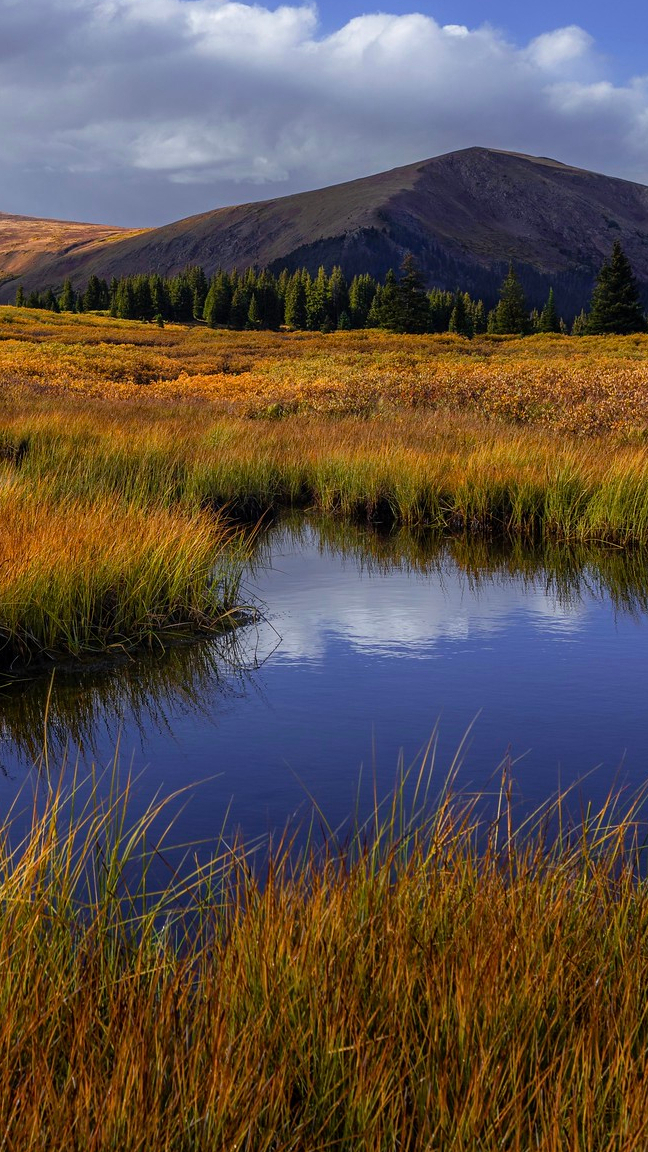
79, 577
433, 470
436, 982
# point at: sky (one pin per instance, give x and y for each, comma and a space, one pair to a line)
138, 112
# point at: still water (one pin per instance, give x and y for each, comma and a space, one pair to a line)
366, 646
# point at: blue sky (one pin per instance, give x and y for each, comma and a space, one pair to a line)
138, 112
620, 29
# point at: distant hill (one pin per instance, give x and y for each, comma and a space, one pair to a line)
28, 244
464, 215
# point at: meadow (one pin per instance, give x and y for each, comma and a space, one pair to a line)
442, 981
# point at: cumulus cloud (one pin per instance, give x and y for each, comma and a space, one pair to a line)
139, 111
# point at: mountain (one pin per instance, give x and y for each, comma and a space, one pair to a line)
464, 215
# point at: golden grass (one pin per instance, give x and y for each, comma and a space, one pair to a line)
414, 991
94, 576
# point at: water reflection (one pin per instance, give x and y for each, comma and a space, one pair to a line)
566, 573
367, 639
85, 709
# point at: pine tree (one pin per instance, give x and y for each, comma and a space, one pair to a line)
67, 299
460, 318
143, 303
317, 300
123, 305
93, 297
440, 305
50, 302
549, 320
579, 327
181, 297
338, 296
361, 295
414, 310
511, 315
616, 304
20, 297
160, 303
239, 308
253, 318
374, 316
388, 309
218, 301
479, 318
295, 308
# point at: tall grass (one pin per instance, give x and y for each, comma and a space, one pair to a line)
81, 577
433, 985
454, 472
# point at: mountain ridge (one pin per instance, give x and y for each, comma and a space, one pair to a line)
464, 215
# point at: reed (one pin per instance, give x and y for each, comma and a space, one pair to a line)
432, 984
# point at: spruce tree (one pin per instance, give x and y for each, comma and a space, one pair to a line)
460, 319
317, 300
253, 317
295, 307
239, 308
479, 317
361, 295
549, 320
218, 301
387, 311
374, 315
67, 299
338, 296
440, 305
511, 314
50, 302
579, 327
414, 309
93, 297
616, 304
20, 297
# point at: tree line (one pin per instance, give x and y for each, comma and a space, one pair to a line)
326, 302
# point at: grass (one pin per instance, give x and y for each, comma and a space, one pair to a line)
96, 576
420, 469
433, 984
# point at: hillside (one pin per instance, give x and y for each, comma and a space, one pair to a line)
27, 244
464, 215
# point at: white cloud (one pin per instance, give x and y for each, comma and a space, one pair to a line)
138, 111
316, 600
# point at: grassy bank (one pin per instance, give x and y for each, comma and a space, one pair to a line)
416, 992
81, 577
422, 469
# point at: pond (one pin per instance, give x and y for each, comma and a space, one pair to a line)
367, 646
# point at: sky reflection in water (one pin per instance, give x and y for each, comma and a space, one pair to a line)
367, 645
